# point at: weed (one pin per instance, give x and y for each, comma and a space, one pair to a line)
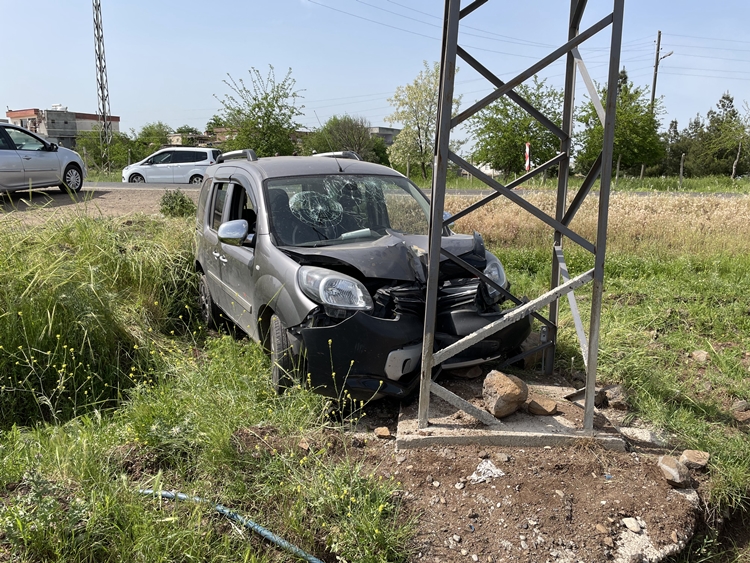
175, 203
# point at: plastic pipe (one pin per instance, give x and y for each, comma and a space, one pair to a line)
247, 523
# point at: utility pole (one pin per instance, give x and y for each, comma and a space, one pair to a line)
657, 58
102, 87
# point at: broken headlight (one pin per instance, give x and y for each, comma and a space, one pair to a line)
496, 273
333, 289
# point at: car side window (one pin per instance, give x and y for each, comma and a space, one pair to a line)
5, 142
162, 158
215, 153
24, 141
242, 207
217, 209
199, 156
179, 157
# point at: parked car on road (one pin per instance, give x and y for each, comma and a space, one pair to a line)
29, 161
323, 260
173, 165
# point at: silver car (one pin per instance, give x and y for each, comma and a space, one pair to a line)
29, 161
323, 260
173, 165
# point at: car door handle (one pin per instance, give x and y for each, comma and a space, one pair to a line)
216, 254
223, 259
26, 157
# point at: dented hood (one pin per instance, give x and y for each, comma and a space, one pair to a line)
393, 256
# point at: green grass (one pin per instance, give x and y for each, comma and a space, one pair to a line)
100, 176
171, 408
709, 184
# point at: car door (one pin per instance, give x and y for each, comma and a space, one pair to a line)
238, 272
182, 164
160, 170
41, 166
11, 167
212, 258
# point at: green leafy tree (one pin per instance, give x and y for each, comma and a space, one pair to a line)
503, 128
216, 122
380, 150
154, 135
342, 133
719, 142
263, 114
188, 135
637, 139
416, 106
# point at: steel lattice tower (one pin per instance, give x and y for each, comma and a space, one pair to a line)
102, 86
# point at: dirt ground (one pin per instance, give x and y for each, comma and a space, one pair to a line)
564, 504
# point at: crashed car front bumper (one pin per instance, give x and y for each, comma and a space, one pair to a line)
365, 357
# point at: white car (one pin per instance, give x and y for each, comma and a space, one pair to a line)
29, 161
173, 165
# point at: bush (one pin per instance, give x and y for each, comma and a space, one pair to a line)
174, 203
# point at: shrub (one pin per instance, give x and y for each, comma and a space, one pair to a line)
174, 203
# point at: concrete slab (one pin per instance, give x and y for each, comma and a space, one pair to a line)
449, 425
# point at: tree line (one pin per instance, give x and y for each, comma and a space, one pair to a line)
262, 114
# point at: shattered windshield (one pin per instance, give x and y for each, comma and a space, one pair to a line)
336, 209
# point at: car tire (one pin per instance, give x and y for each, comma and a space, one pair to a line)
72, 180
209, 310
282, 364
136, 179
197, 179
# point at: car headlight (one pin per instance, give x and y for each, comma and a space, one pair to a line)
496, 273
333, 289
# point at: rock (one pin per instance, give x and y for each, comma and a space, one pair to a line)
542, 407
459, 486
674, 472
303, 445
467, 373
532, 341
700, 356
740, 406
464, 552
484, 454
742, 416
503, 394
616, 397
632, 525
601, 529
643, 435
383, 433
609, 542
456, 538
694, 459
475, 557
673, 536
436, 484
502, 457
400, 459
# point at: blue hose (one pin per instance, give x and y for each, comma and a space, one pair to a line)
249, 524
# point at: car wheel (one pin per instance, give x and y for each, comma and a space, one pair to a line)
72, 179
282, 365
209, 310
197, 179
136, 179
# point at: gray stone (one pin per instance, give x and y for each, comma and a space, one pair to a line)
740, 406
700, 356
542, 407
616, 397
694, 459
643, 435
632, 525
503, 394
383, 433
674, 472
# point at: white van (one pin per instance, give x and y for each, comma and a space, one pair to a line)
173, 165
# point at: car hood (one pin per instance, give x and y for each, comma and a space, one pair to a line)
394, 257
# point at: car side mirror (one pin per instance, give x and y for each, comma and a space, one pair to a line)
233, 232
52, 147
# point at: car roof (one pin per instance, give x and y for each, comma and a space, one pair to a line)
285, 166
180, 148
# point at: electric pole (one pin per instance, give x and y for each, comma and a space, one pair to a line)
658, 57
102, 86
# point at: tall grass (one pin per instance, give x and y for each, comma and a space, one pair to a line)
80, 295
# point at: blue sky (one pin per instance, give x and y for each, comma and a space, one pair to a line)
167, 59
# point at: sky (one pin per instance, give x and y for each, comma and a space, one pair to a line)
167, 59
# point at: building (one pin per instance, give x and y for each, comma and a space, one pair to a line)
385, 133
58, 124
191, 140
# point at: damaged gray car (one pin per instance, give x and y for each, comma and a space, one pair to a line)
323, 261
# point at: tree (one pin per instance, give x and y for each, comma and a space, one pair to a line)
154, 134
503, 128
216, 122
637, 139
263, 114
719, 143
188, 135
345, 133
416, 107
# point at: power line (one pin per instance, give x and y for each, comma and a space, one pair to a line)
710, 38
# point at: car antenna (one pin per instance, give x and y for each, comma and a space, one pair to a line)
330, 145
